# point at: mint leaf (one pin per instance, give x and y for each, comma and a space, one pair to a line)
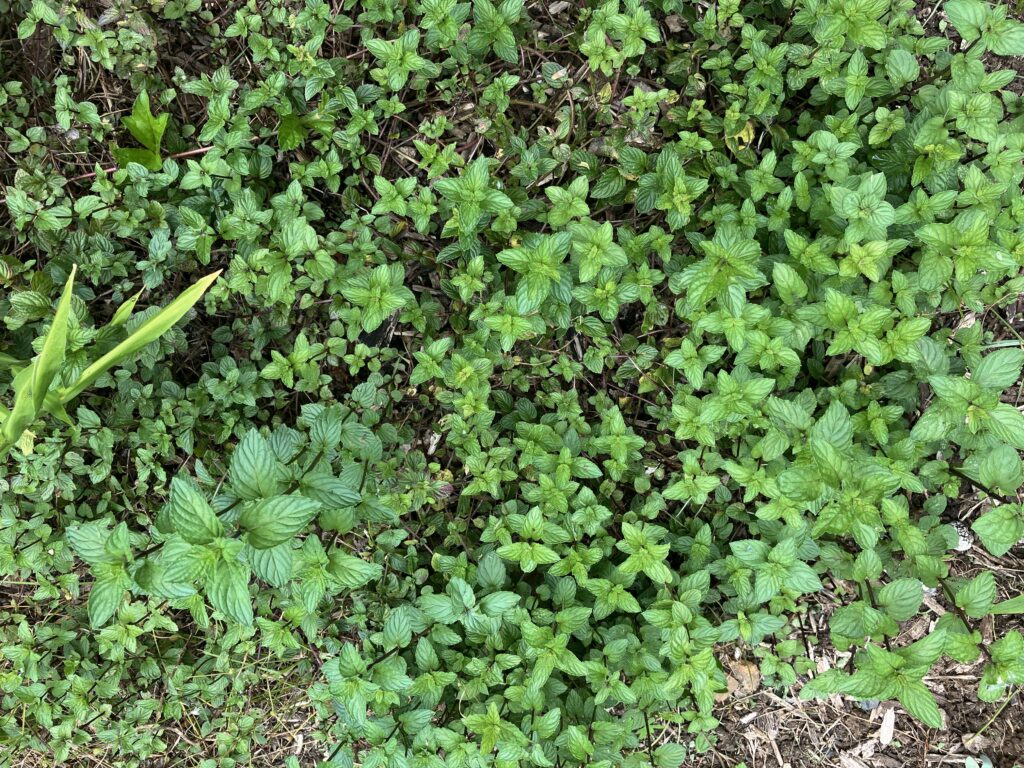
919, 702
104, 598
253, 471
228, 588
191, 516
273, 521
977, 596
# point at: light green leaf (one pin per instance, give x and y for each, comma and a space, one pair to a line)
968, 16
147, 128
977, 596
351, 572
253, 470
52, 354
901, 598
273, 521
228, 589
1000, 528
919, 702
104, 598
669, 755
273, 565
999, 369
191, 515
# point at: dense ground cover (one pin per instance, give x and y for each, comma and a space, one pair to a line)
441, 383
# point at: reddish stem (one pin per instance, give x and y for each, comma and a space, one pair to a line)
175, 156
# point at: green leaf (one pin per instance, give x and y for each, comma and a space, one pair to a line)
273, 521
191, 515
329, 490
977, 596
1006, 38
124, 311
291, 132
919, 702
104, 598
147, 128
869, 33
924, 652
968, 16
228, 589
901, 598
802, 578
1000, 468
89, 541
580, 747
273, 565
397, 631
669, 755
999, 369
379, 293
298, 237
32, 383
253, 470
437, 607
351, 572
901, 66
51, 357
1008, 607
147, 158
1007, 424
498, 603
1000, 529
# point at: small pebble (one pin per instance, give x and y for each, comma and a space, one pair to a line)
965, 536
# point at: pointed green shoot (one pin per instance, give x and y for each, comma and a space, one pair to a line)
51, 357
32, 382
145, 334
22, 413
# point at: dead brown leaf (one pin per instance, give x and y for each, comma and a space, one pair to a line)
746, 674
